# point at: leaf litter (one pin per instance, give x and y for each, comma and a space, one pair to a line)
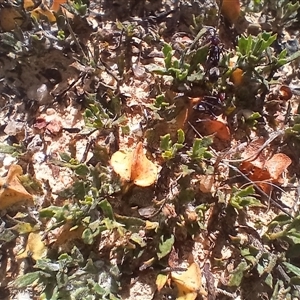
160, 147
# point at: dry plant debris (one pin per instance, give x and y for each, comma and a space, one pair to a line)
149, 150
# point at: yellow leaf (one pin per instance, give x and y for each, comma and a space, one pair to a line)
160, 282
35, 247
134, 166
151, 225
121, 162
44, 11
28, 4
189, 283
11, 190
66, 234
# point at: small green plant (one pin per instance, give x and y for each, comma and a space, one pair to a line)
241, 198
189, 68
199, 150
169, 150
71, 276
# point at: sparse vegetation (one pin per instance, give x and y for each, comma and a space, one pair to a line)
148, 144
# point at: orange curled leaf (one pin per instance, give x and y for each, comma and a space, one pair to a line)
231, 10
237, 77
218, 127
134, 166
11, 189
56, 4
285, 93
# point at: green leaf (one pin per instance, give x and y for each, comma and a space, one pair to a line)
244, 44
165, 142
65, 156
107, 209
269, 280
199, 57
291, 268
82, 170
47, 265
180, 136
165, 246
237, 274
241, 202
87, 236
167, 51
26, 279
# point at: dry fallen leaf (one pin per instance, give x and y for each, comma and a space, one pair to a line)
35, 247
56, 4
262, 170
161, 280
277, 164
11, 190
43, 11
10, 18
134, 166
218, 127
231, 10
189, 283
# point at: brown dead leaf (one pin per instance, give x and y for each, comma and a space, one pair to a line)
277, 164
28, 4
11, 190
218, 127
285, 93
10, 18
134, 166
262, 170
206, 183
189, 283
231, 10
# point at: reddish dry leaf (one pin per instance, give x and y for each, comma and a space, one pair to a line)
231, 10
40, 123
249, 153
56, 4
285, 93
54, 127
218, 127
277, 164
